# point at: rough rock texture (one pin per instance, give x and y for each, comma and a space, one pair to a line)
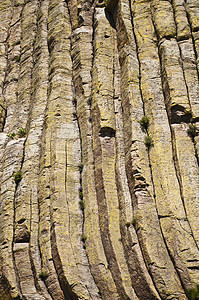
97, 202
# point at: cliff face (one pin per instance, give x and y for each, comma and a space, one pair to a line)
99, 119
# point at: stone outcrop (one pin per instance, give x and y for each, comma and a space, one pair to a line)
99, 139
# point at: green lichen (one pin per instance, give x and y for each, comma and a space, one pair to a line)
144, 123
21, 132
43, 275
193, 294
18, 177
148, 142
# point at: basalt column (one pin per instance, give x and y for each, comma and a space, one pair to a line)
99, 140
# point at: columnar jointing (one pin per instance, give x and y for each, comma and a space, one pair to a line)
99, 139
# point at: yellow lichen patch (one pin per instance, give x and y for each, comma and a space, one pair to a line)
191, 75
163, 18
173, 74
182, 24
188, 168
192, 9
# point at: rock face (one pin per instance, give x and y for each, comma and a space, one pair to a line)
99, 178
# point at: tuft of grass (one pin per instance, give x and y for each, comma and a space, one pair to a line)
193, 294
81, 195
18, 177
11, 135
144, 123
192, 131
17, 58
21, 132
43, 275
148, 142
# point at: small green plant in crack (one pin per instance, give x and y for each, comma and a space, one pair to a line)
21, 132
144, 123
17, 58
148, 142
193, 294
11, 135
18, 177
81, 205
43, 275
83, 238
192, 131
81, 195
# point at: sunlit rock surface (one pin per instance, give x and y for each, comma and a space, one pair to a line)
99, 149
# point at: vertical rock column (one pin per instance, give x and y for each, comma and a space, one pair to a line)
138, 161
82, 51
140, 278
103, 117
63, 255
163, 172
11, 151
178, 104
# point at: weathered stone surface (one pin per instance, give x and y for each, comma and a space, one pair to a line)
94, 203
